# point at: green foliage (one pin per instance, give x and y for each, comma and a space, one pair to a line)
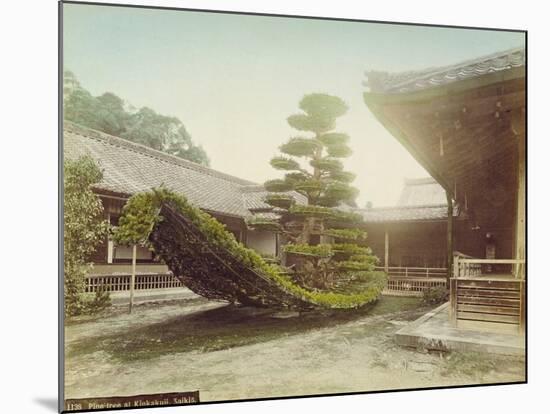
355, 265
84, 228
284, 201
341, 191
138, 219
278, 186
326, 186
323, 106
108, 113
347, 234
339, 150
342, 176
345, 218
218, 236
300, 147
309, 186
351, 249
284, 163
296, 177
263, 224
334, 138
435, 295
319, 250
327, 164
311, 211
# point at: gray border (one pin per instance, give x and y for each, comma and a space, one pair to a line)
60, 267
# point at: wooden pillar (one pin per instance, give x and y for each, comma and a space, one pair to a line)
522, 307
453, 313
520, 215
133, 277
386, 250
449, 237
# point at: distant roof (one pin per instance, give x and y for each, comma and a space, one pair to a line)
422, 192
420, 199
411, 213
411, 81
129, 168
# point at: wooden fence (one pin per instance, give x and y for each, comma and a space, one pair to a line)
121, 282
413, 281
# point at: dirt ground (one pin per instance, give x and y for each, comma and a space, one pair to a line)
228, 352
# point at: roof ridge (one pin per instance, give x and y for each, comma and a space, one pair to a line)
461, 64
140, 148
412, 76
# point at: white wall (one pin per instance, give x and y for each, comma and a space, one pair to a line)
262, 241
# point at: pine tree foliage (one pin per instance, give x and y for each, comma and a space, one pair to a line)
314, 167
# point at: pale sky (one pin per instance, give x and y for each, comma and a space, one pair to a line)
234, 79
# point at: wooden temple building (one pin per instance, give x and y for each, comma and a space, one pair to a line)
129, 168
466, 125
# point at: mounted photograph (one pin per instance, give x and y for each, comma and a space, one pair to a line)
262, 206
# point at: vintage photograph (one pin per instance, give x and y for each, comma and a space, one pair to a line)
263, 206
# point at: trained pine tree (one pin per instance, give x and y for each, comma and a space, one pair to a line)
313, 167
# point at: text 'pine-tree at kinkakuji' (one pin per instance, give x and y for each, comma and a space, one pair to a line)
314, 169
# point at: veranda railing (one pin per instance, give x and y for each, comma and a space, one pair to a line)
488, 300
121, 282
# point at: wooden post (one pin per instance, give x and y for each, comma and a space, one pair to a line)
522, 307
520, 209
453, 299
133, 277
449, 237
386, 250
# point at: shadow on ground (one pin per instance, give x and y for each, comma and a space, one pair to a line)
222, 328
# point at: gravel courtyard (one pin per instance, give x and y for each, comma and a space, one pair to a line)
227, 352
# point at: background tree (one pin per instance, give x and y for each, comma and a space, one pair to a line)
84, 229
313, 167
111, 114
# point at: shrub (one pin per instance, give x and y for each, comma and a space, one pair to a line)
435, 295
84, 228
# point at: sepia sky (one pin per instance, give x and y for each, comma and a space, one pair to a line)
234, 79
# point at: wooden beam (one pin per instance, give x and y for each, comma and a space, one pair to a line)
386, 250
133, 277
449, 235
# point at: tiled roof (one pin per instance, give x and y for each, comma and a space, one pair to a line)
422, 192
411, 213
403, 82
129, 168
420, 199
